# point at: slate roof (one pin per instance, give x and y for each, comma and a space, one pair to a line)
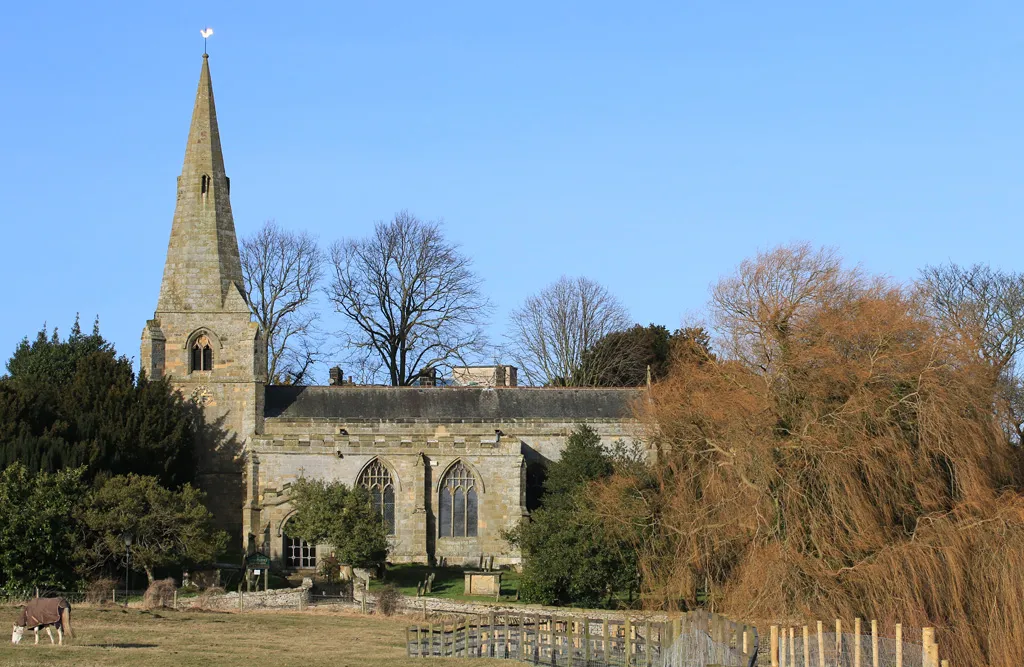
448, 403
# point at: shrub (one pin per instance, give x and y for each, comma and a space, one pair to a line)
202, 601
159, 594
389, 600
100, 591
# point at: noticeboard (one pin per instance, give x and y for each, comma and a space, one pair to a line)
257, 562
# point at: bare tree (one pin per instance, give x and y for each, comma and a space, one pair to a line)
759, 308
281, 270
410, 297
980, 306
982, 309
553, 329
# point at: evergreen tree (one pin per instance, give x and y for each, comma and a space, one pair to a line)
167, 527
568, 558
38, 528
74, 402
342, 516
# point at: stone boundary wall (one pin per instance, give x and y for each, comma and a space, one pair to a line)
413, 605
278, 598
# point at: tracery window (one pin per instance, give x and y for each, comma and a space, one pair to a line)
457, 503
298, 552
202, 354
377, 480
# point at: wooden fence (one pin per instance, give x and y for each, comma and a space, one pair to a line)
855, 646
578, 640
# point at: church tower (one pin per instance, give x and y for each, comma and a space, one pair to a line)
202, 337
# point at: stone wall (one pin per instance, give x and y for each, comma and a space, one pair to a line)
280, 598
417, 452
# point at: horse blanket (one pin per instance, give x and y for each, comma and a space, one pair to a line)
42, 611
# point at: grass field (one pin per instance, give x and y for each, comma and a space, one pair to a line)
112, 636
449, 582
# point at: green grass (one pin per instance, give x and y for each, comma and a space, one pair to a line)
115, 637
449, 582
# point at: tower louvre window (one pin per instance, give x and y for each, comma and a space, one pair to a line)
201, 355
205, 184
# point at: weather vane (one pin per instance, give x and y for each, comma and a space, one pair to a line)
205, 32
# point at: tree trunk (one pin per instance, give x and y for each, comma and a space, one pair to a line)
149, 574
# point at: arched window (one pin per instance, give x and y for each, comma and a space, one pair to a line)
202, 354
298, 552
377, 480
205, 184
457, 503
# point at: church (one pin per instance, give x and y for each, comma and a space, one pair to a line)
445, 466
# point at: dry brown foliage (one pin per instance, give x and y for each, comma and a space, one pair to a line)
389, 601
159, 594
202, 601
843, 459
100, 591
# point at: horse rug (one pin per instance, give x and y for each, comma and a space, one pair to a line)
42, 611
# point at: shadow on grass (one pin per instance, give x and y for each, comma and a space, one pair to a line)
121, 645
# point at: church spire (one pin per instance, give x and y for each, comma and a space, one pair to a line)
203, 272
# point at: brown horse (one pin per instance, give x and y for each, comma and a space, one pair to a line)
44, 613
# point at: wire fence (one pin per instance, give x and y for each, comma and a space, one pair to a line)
696, 648
18, 597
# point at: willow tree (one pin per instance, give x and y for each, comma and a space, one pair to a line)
840, 458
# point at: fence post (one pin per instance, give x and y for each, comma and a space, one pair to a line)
792, 647
856, 642
775, 646
782, 647
647, 641
240, 600
927, 637
629, 640
508, 638
899, 645
536, 637
839, 642
821, 645
113, 595
553, 635
874, 643
490, 635
807, 647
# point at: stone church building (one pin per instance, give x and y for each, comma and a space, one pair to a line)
446, 466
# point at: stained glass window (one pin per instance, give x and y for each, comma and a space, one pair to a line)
457, 503
377, 480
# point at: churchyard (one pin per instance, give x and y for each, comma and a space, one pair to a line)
111, 636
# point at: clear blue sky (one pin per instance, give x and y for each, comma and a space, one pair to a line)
650, 146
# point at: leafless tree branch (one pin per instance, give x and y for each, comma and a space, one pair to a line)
551, 331
410, 297
281, 270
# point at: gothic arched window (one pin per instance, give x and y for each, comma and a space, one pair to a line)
202, 354
205, 184
377, 480
457, 503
